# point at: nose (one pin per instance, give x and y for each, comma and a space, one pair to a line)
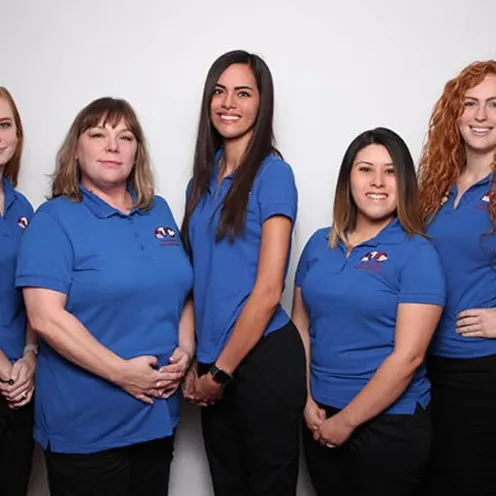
228, 101
378, 178
481, 113
112, 144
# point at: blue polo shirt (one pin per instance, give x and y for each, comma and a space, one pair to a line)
352, 305
467, 249
126, 278
225, 271
17, 215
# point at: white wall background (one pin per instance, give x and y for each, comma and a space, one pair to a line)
339, 68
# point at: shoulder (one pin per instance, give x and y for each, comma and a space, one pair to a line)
56, 207
418, 250
318, 240
24, 204
273, 165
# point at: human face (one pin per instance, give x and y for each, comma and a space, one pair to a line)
478, 121
106, 155
8, 133
373, 185
235, 102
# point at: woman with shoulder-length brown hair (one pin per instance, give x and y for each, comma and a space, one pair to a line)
458, 199
105, 280
368, 294
17, 341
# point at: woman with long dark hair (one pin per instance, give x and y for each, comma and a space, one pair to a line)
369, 292
240, 211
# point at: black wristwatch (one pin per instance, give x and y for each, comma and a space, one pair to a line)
220, 376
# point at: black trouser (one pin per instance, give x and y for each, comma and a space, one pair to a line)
136, 470
386, 456
16, 448
464, 421
251, 434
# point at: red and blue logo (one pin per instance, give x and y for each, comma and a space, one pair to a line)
373, 261
166, 235
484, 202
23, 222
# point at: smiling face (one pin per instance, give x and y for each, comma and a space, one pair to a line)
235, 103
8, 133
373, 185
106, 155
478, 121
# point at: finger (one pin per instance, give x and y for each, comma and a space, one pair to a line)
467, 321
17, 369
18, 388
471, 312
469, 330
473, 334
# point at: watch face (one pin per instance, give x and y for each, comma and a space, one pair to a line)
219, 376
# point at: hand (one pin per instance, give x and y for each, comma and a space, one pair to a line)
21, 391
189, 383
477, 322
140, 379
175, 371
207, 391
313, 415
335, 430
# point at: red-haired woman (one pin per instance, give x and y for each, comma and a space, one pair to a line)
458, 198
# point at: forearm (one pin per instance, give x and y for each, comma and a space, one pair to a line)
5, 366
383, 389
305, 338
31, 337
66, 335
249, 328
187, 329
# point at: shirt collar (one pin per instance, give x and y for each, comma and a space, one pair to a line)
392, 233
101, 208
9, 193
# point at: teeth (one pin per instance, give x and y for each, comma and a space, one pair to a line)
229, 117
376, 196
481, 129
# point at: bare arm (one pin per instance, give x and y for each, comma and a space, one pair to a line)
187, 329
5, 367
415, 326
299, 316
265, 296
66, 335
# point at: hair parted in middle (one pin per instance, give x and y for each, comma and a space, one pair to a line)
209, 142
345, 209
103, 111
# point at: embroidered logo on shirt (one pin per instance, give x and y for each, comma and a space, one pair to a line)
22, 222
484, 202
373, 260
167, 235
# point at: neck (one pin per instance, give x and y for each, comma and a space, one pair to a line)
478, 165
116, 196
233, 152
366, 229
1, 179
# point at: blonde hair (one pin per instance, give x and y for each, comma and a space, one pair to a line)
11, 171
65, 181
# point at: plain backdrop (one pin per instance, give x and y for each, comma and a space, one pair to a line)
339, 68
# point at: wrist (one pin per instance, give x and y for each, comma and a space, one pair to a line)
116, 371
220, 376
31, 350
351, 421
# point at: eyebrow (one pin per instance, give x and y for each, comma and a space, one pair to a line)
476, 99
237, 88
389, 164
9, 119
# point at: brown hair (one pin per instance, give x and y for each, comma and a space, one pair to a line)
11, 171
345, 209
443, 155
106, 111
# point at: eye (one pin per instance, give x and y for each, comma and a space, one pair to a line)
364, 168
128, 137
5, 125
217, 91
390, 171
95, 135
469, 103
492, 104
243, 94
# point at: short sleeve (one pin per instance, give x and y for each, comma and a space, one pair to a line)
46, 257
277, 194
309, 252
302, 267
422, 277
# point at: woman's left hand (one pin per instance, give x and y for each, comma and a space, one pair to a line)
21, 391
207, 391
176, 370
477, 323
334, 431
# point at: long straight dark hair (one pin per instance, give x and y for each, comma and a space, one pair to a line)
209, 141
408, 209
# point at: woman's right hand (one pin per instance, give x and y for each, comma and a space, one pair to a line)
140, 378
313, 415
189, 382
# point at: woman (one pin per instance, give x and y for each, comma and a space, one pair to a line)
17, 342
105, 279
369, 292
240, 212
458, 199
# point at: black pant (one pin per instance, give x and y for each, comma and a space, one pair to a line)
16, 448
251, 435
464, 419
386, 456
136, 470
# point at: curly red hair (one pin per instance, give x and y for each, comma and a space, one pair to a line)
443, 155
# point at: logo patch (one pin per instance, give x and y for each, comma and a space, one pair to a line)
166, 235
484, 202
22, 222
373, 260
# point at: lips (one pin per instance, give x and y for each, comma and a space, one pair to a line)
228, 118
110, 163
377, 196
481, 130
